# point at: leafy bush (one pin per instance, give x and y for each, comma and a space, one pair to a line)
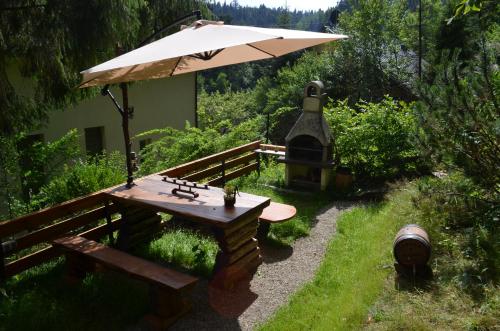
221, 111
84, 177
26, 165
288, 90
42, 161
374, 140
175, 147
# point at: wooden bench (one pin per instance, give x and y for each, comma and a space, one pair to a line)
168, 288
274, 213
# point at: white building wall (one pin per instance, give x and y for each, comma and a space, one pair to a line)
157, 104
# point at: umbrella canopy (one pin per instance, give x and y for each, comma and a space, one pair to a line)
201, 46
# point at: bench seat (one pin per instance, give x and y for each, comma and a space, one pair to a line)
168, 287
274, 213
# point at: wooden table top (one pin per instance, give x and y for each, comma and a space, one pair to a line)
153, 193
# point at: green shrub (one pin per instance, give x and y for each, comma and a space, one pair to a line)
175, 147
375, 140
222, 111
84, 177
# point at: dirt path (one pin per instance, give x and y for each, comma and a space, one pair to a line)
283, 272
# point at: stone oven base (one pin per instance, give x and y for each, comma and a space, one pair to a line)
297, 175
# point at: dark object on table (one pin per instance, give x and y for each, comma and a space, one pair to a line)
185, 186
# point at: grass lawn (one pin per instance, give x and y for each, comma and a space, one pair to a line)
352, 275
356, 287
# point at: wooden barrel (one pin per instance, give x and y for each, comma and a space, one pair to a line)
412, 246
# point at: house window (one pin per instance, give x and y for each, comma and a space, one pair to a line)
94, 140
143, 143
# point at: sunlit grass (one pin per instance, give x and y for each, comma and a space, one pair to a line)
352, 274
183, 248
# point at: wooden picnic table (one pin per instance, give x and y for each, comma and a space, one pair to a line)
235, 228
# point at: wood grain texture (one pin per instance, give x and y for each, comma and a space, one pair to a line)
44, 216
207, 161
151, 192
234, 174
123, 262
53, 231
49, 253
277, 212
212, 171
269, 147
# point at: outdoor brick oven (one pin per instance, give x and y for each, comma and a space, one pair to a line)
308, 155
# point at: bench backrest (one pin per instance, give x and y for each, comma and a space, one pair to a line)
218, 168
25, 241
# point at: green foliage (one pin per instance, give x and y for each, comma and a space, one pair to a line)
289, 83
175, 147
281, 122
101, 302
375, 140
465, 7
40, 162
81, 178
222, 111
463, 219
184, 248
27, 164
351, 275
9, 175
52, 41
459, 114
371, 63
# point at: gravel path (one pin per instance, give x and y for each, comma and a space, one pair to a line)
283, 272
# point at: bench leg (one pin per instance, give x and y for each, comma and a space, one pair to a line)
167, 307
263, 230
239, 254
77, 267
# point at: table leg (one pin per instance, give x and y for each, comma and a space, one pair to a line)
138, 225
239, 254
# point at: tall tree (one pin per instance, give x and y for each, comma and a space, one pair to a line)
51, 41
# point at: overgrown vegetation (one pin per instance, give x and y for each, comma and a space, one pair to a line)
49, 173
464, 293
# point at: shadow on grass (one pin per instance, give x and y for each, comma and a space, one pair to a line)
40, 299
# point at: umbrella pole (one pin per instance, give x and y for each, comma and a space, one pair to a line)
126, 134
125, 113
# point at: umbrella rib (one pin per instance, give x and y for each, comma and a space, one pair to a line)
263, 51
86, 82
175, 67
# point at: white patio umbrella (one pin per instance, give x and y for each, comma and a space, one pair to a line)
203, 45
